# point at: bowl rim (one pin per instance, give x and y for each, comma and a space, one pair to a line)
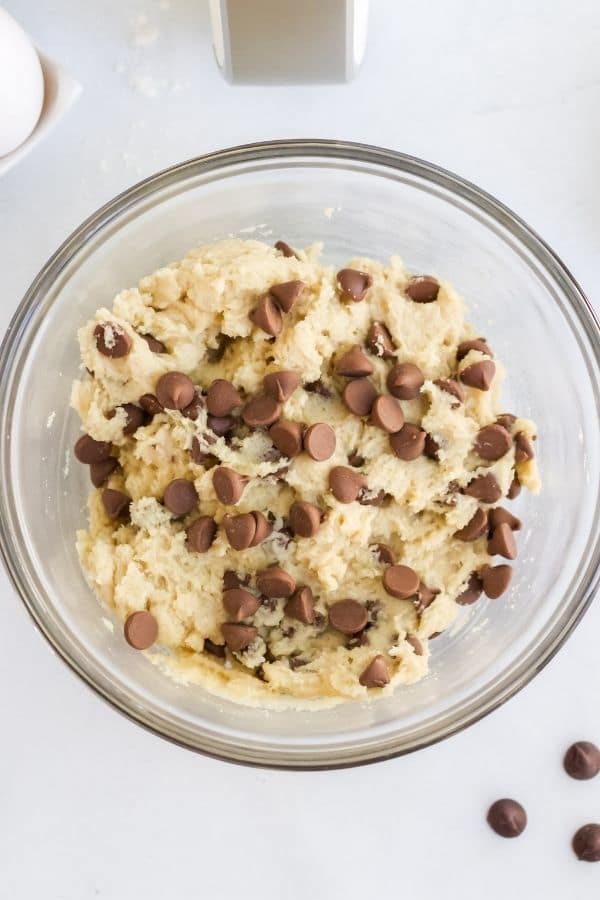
344, 151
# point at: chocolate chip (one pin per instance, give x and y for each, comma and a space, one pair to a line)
154, 345
135, 417
215, 354
495, 580
348, 616
376, 674
301, 606
319, 441
514, 489
201, 533
387, 414
89, 451
112, 340
425, 597
401, 581
231, 580
479, 375
475, 344
346, 484
217, 650
220, 425
408, 443
180, 496
492, 442
367, 497
586, 843
454, 388
415, 643
287, 294
174, 390
296, 662
229, 485
431, 448
240, 530
192, 410
286, 249
379, 341
140, 629
404, 381
353, 363
305, 518
239, 604
222, 397
359, 396
507, 818
267, 315
385, 554
475, 527
275, 582
281, 385
507, 420
498, 515
238, 637
472, 592
262, 529
523, 448
320, 388
150, 404
356, 460
423, 288
502, 542
115, 503
287, 437
354, 284
484, 488
582, 760
201, 457
261, 412
100, 471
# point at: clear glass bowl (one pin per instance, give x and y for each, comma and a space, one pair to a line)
357, 200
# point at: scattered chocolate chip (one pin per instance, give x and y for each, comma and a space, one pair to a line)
507, 818
287, 294
408, 443
387, 414
401, 581
484, 488
319, 441
507, 420
112, 340
385, 554
354, 284
217, 650
220, 425
379, 341
356, 460
353, 363
287, 437
404, 381
454, 388
495, 580
174, 390
154, 345
140, 629
222, 397
523, 448
320, 388
492, 442
262, 530
498, 515
286, 249
100, 471
348, 616
267, 316
238, 637
514, 489
135, 417
281, 385
431, 448
150, 404
115, 503
472, 592
376, 674
261, 412
586, 843
502, 542
180, 496
425, 597
305, 518
201, 533
296, 662
301, 606
275, 582
423, 288
359, 396
479, 375
240, 530
240, 604
582, 760
475, 344
229, 485
89, 451
475, 527
346, 484
415, 643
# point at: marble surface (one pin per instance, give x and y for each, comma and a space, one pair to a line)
507, 95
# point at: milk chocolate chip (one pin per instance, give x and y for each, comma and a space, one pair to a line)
301, 606
484, 488
379, 341
150, 404
115, 503
112, 340
262, 528
267, 316
201, 533
281, 385
475, 344
275, 582
240, 604
229, 485
261, 412
354, 363
180, 496
140, 629
586, 843
408, 443
495, 580
319, 441
507, 818
305, 518
401, 581
492, 442
359, 396
404, 381
155, 345
346, 484
582, 760
498, 515
287, 437
238, 637
222, 397
423, 288
100, 471
453, 387
287, 294
174, 390
376, 674
240, 530
479, 375
472, 592
385, 554
475, 527
387, 414
89, 451
348, 616
523, 448
354, 284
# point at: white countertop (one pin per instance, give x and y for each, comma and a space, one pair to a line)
505, 94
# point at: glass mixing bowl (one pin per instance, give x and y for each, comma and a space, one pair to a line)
357, 200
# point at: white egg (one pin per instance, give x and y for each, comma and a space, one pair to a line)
21, 85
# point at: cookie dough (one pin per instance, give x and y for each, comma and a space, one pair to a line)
298, 472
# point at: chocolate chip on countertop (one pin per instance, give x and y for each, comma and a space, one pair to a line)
115, 503
140, 629
472, 592
266, 315
287, 294
385, 554
150, 404
174, 390
523, 448
423, 288
586, 843
401, 581
238, 637
514, 489
112, 340
180, 496
495, 580
484, 488
287, 437
319, 441
201, 533
348, 616
305, 518
415, 643
155, 345
379, 341
354, 284
240, 530
404, 381
281, 385
507, 818
474, 344
502, 542
285, 249
359, 396
492, 442
301, 606
475, 527
582, 760
261, 411
229, 485
408, 443
275, 582
135, 417
498, 515
386, 413
346, 484
507, 420
453, 387
479, 375
262, 529
353, 363
88, 451
100, 471
222, 397
376, 674
239, 604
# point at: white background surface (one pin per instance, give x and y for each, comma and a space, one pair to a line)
506, 94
